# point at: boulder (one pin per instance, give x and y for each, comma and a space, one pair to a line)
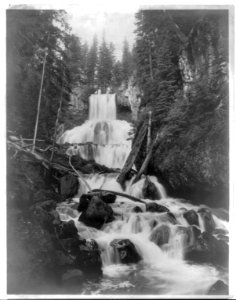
208, 249
150, 191
172, 218
160, 235
218, 288
196, 231
187, 236
154, 207
126, 251
192, 217
69, 185
84, 202
207, 218
108, 197
67, 230
85, 254
88, 258
137, 209
97, 214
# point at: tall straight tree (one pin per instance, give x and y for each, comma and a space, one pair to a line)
29, 32
126, 62
92, 61
105, 65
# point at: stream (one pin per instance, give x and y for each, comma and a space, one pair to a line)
163, 268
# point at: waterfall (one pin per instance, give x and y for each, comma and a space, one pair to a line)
109, 138
160, 242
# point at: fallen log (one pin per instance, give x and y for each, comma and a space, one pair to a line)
132, 156
97, 192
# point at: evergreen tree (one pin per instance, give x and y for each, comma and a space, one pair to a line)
127, 63
31, 33
105, 66
117, 75
92, 60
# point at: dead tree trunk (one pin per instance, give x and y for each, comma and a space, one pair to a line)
56, 124
149, 131
146, 161
39, 101
98, 192
131, 158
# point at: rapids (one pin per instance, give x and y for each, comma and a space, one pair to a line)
163, 269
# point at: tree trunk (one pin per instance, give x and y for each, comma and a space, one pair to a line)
39, 101
132, 156
146, 161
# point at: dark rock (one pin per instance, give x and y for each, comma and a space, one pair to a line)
108, 198
126, 251
153, 223
154, 207
187, 236
97, 214
69, 185
219, 288
72, 245
150, 191
196, 232
89, 258
210, 250
160, 235
85, 253
84, 202
137, 209
207, 218
67, 230
192, 217
172, 218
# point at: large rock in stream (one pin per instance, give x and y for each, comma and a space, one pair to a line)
160, 235
97, 214
69, 185
218, 288
192, 217
154, 207
150, 191
126, 251
208, 220
208, 249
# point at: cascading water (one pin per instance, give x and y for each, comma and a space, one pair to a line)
109, 138
160, 242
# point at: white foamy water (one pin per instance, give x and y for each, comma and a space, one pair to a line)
109, 138
163, 268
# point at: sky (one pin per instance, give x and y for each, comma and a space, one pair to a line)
114, 26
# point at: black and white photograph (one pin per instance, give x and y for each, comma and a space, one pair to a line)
117, 151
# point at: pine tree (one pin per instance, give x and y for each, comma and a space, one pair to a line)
127, 63
92, 60
105, 66
29, 34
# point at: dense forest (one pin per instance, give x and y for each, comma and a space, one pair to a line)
168, 96
182, 71
35, 36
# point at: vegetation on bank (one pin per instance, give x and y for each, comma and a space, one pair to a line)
182, 70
